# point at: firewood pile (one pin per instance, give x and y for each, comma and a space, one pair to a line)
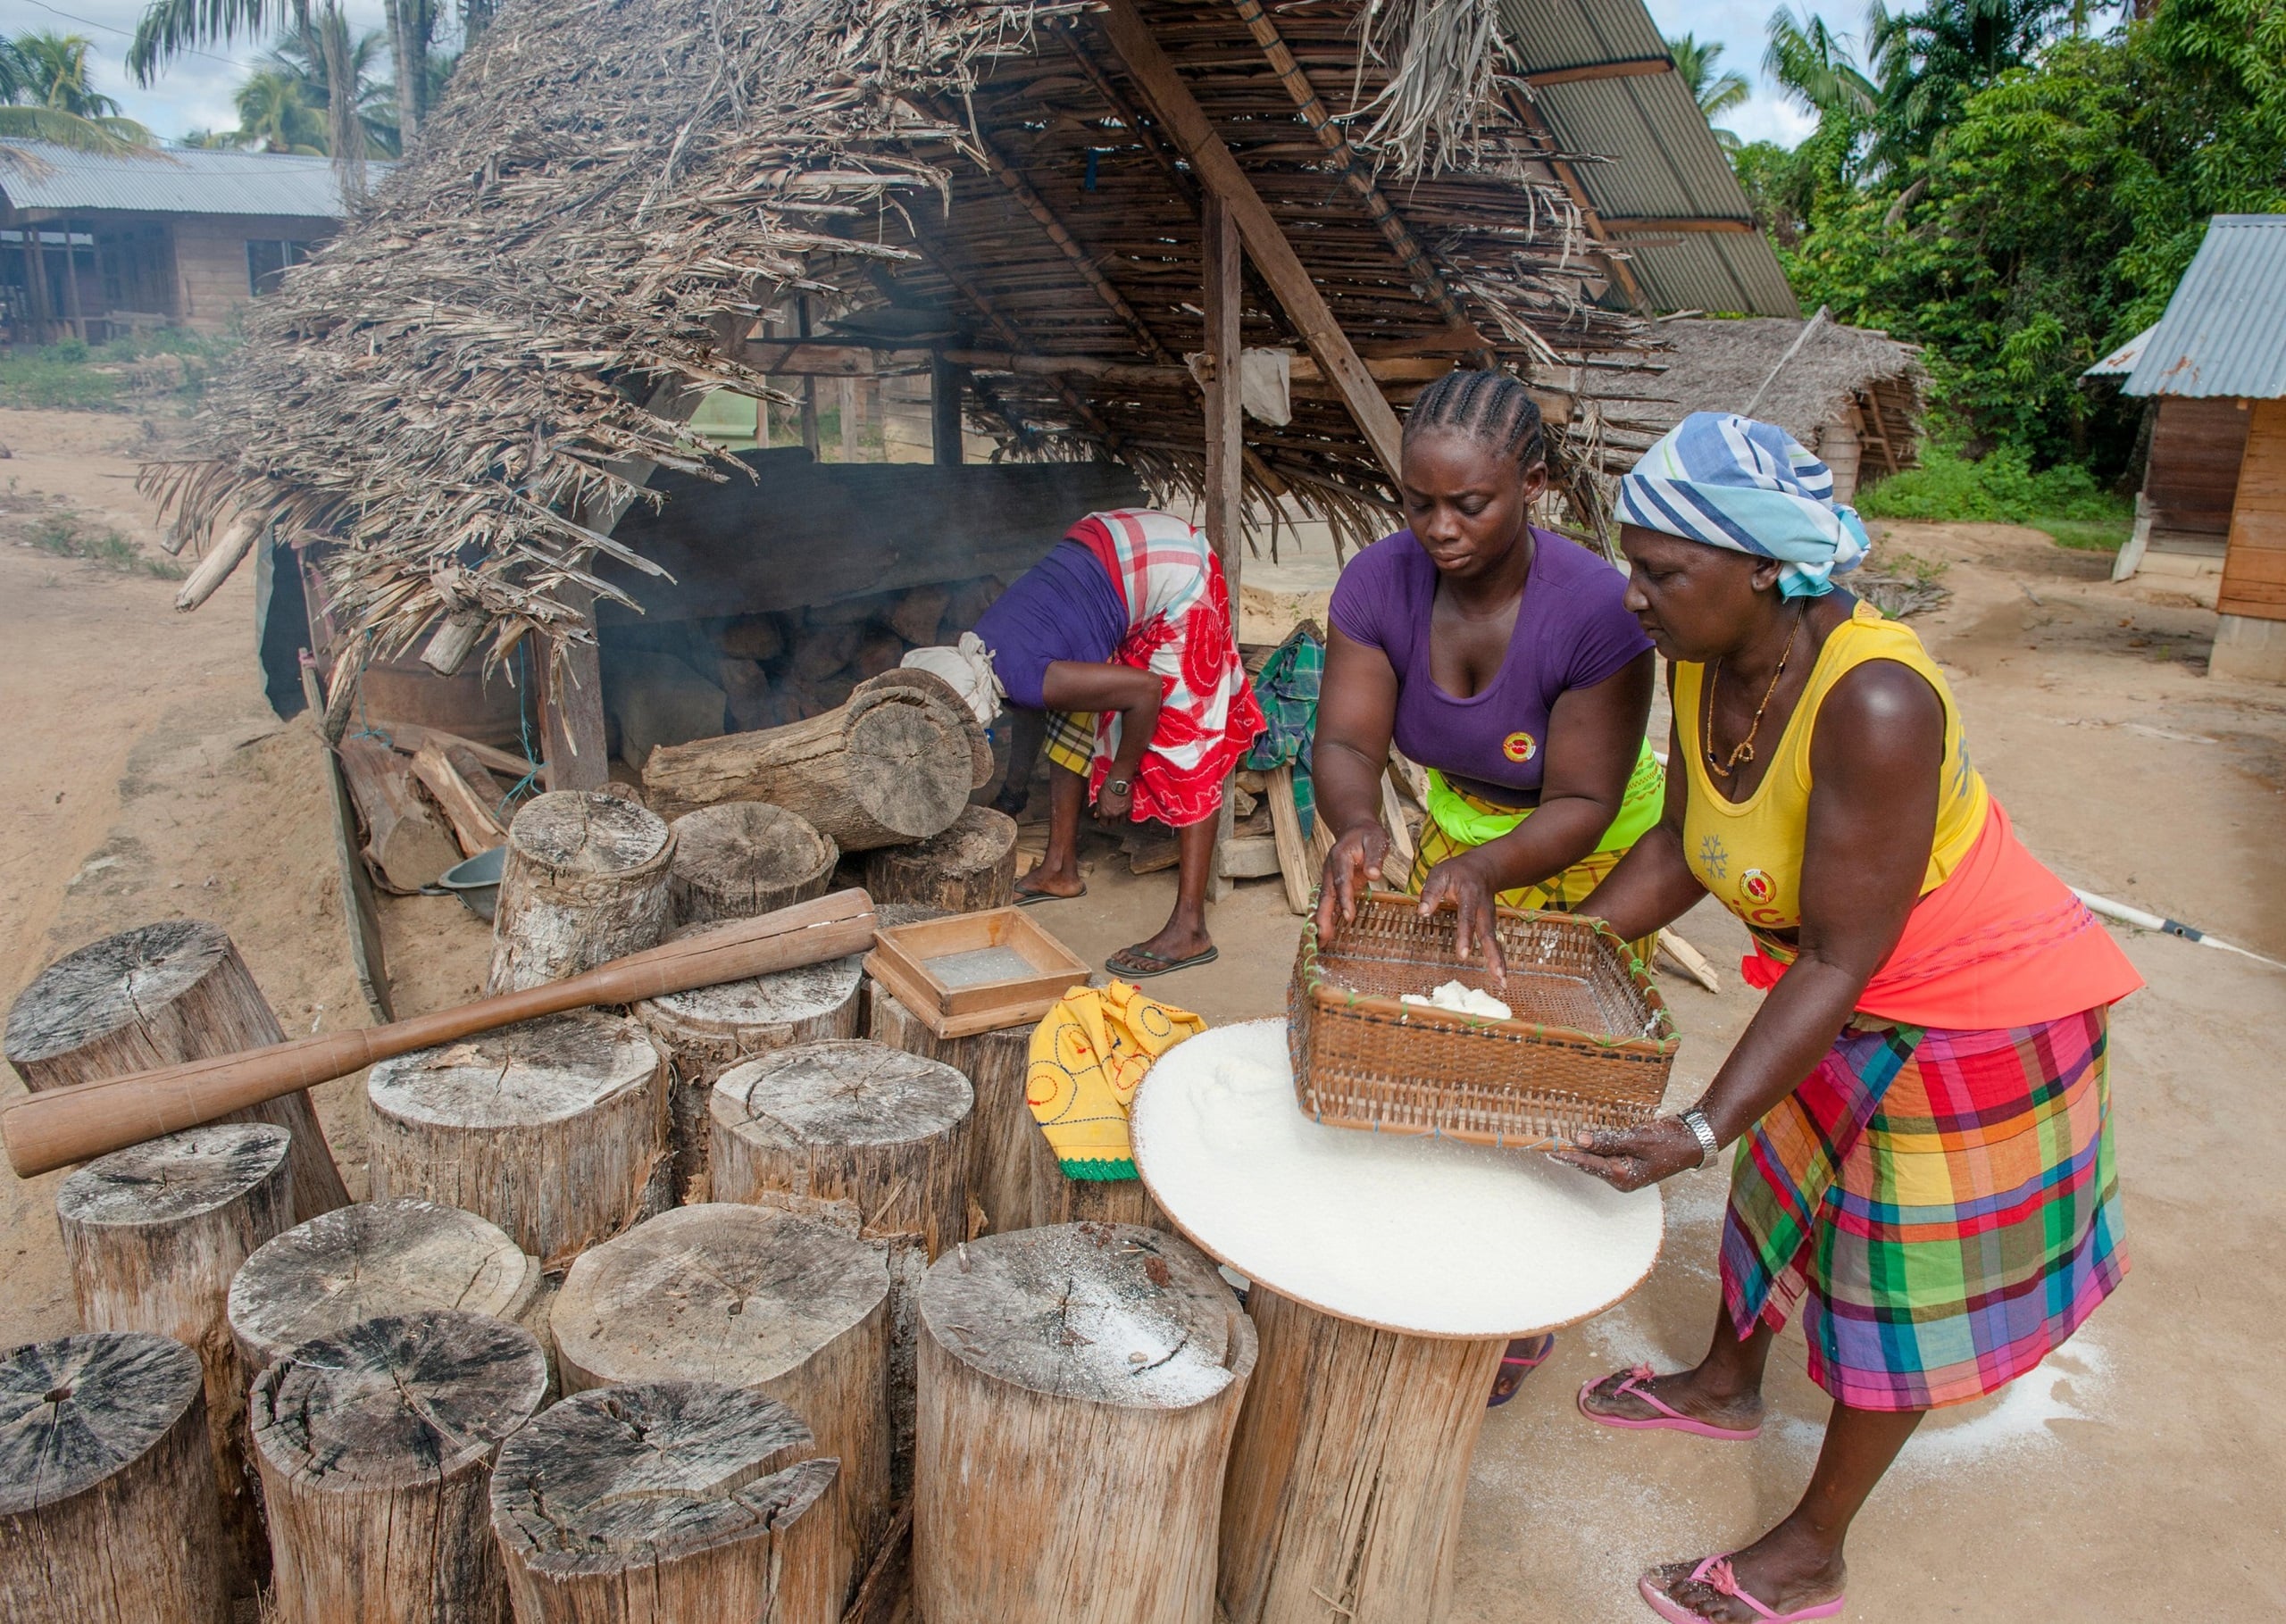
790, 665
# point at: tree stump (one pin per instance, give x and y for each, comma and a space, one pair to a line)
1349, 1468
107, 1506
663, 1503
709, 1029
157, 996
793, 1306
1017, 1182
552, 1128
392, 1256
1070, 1377
376, 1445
745, 858
584, 880
154, 1235
895, 763
971, 865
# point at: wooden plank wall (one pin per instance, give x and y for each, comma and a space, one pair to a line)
2253, 571
211, 261
2196, 448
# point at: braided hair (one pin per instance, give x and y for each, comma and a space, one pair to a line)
1492, 408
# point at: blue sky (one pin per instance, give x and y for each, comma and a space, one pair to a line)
195, 91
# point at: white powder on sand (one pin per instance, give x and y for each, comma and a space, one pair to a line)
1415, 1234
1462, 1000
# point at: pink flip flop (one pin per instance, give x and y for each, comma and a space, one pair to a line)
1716, 1573
1667, 1419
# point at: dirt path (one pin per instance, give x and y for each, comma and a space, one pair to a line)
2134, 1473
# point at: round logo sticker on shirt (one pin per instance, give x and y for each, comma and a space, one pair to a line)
1757, 886
1520, 747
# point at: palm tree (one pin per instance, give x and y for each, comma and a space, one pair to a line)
1932, 61
1813, 64
47, 97
172, 27
1715, 95
302, 59
276, 115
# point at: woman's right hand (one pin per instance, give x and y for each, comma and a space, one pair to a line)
1352, 868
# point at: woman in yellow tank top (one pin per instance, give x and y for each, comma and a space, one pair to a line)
1924, 1155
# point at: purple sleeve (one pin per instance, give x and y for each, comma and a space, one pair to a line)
1362, 595
1607, 636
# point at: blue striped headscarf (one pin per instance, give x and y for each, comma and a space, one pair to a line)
1730, 482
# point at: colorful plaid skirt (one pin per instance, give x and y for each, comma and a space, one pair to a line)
1943, 1205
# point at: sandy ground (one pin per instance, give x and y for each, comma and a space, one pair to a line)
2134, 1476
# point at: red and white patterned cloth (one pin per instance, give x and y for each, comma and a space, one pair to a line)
1180, 630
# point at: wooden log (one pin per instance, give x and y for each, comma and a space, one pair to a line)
107, 1505
919, 612
663, 1503
1347, 1477
894, 765
584, 880
554, 1129
376, 1446
1285, 829
406, 840
709, 1029
745, 858
392, 1256
1069, 1377
1001, 1128
791, 1305
152, 1235
466, 792
158, 995
970, 866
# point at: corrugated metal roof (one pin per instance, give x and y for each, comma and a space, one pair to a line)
2224, 332
2121, 361
181, 181
1657, 158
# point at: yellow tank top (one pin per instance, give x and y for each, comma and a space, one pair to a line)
1749, 853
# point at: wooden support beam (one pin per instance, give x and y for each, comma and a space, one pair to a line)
1662, 225
1182, 117
1222, 256
946, 383
809, 386
1630, 67
1568, 176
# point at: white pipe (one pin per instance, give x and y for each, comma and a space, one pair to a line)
2126, 915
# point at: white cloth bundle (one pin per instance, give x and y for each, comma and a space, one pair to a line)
967, 666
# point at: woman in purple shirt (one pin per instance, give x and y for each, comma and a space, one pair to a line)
1502, 658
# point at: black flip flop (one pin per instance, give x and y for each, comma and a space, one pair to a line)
1025, 899
1159, 967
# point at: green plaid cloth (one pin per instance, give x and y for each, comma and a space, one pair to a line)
1286, 689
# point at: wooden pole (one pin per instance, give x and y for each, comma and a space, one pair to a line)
376, 1447
569, 676
154, 1236
745, 858
946, 383
792, 1306
158, 995
970, 866
663, 1503
810, 442
1071, 1377
1348, 1474
555, 1130
392, 1256
709, 1029
106, 1494
586, 881
1225, 261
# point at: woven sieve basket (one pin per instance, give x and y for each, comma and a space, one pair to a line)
1590, 1044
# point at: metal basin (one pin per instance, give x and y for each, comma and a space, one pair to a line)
476, 881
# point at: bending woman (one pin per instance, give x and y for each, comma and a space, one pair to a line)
1119, 649
1502, 658
1924, 1166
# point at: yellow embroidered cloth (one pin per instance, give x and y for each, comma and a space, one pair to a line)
1088, 1057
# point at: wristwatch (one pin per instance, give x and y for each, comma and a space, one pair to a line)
1120, 786
1709, 1146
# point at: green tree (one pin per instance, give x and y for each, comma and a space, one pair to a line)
170, 28
1716, 94
48, 97
1817, 69
1929, 63
301, 58
276, 115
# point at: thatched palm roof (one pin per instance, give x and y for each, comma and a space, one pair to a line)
466, 387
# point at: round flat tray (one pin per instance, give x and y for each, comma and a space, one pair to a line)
1428, 1237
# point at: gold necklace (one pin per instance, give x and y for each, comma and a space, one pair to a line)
1745, 752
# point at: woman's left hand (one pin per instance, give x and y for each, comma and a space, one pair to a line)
1637, 1158
1115, 805
1459, 882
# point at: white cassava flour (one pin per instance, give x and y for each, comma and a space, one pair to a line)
1462, 1000
1414, 1233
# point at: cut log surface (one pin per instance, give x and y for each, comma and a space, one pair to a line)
376, 1447
465, 791
154, 1235
107, 1496
584, 880
1348, 1471
970, 866
710, 1030
1069, 1376
793, 1306
407, 842
894, 765
392, 1256
555, 1130
745, 858
663, 1503
158, 995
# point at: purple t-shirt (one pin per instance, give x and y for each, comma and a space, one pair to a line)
1064, 607
1573, 630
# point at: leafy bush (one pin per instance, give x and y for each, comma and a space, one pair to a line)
51, 379
76, 375
66, 535
1999, 489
